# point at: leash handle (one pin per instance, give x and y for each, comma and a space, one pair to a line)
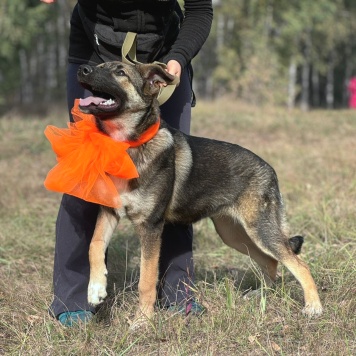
129, 47
128, 53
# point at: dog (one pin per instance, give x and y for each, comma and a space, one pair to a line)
183, 179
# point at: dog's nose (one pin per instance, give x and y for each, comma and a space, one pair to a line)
85, 69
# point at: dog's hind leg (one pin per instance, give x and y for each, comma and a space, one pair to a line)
105, 226
234, 235
267, 254
270, 237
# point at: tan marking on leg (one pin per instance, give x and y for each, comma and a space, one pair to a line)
148, 282
105, 225
301, 272
150, 252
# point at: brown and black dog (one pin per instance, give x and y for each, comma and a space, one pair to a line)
183, 179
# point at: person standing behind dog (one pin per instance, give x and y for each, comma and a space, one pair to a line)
98, 29
352, 93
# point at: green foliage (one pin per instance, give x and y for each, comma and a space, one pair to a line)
325, 24
248, 53
257, 40
20, 23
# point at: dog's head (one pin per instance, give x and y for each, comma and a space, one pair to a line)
119, 88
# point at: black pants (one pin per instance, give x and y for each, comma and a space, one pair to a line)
76, 221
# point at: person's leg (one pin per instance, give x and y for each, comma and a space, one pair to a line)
176, 262
74, 230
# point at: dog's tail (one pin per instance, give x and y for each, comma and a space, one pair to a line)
296, 243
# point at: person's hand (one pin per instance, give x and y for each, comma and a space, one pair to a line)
48, 1
174, 68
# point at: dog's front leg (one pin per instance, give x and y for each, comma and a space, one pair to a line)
105, 225
150, 237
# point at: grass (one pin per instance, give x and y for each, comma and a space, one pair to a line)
314, 155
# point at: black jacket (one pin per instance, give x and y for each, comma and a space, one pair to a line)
143, 17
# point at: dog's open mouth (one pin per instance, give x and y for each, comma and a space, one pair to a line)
99, 103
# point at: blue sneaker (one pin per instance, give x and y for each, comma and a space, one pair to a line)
74, 318
191, 308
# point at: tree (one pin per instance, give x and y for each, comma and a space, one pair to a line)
31, 56
281, 51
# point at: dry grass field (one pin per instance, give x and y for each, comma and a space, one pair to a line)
314, 155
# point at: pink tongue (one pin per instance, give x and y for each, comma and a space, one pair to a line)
91, 100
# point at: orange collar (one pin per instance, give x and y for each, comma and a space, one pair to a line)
87, 159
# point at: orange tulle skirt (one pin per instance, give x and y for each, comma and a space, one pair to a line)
89, 162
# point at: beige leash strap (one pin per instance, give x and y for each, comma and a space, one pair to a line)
128, 53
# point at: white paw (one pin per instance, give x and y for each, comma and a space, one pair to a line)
96, 293
313, 310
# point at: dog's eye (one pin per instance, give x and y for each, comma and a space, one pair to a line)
120, 72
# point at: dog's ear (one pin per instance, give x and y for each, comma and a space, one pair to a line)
154, 76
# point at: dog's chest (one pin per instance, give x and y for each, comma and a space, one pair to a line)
135, 206
122, 186
138, 200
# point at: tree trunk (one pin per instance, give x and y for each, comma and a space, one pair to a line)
330, 83
51, 64
220, 32
348, 73
26, 87
316, 87
291, 83
304, 104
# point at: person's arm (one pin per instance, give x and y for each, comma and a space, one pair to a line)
192, 35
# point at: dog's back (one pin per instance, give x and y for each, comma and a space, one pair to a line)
213, 176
